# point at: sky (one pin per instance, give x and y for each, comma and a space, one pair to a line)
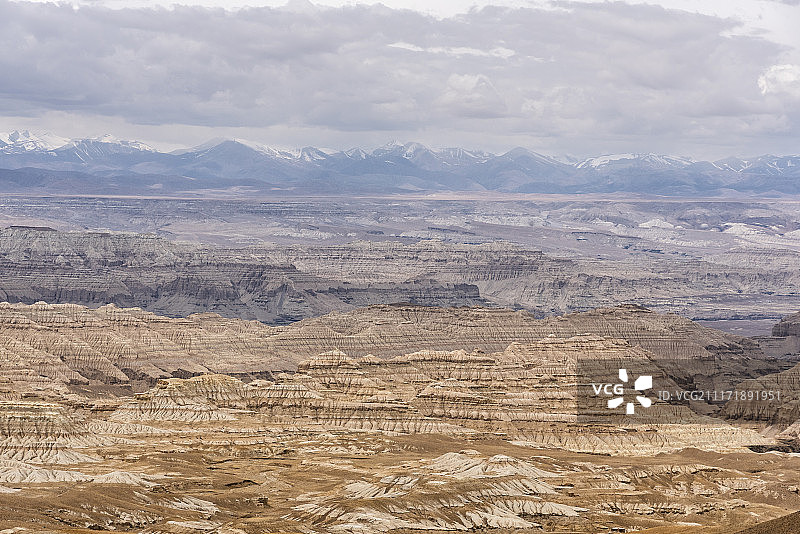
704, 79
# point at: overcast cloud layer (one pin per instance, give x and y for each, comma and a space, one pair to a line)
580, 79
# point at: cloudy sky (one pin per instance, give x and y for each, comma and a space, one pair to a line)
703, 79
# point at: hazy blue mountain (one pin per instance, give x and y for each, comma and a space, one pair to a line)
105, 165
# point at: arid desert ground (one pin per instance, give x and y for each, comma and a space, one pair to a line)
425, 372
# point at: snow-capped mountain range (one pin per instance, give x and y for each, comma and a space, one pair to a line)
47, 163
24, 141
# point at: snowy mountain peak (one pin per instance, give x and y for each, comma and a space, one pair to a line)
523, 154
135, 145
308, 154
311, 154
24, 141
109, 139
457, 155
394, 143
263, 149
16, 136
649, 160
220, 143
355, 153
412, 150
405, 150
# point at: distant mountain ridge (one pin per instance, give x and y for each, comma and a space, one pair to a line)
46, 164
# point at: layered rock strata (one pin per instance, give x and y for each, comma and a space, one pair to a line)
455, 491
71, 344
528, 394
278, 284
40, 432
785, 339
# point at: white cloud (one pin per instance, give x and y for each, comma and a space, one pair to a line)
598, 77
781, 79
498, 52
470, 95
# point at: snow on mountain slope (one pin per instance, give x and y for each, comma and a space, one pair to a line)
648, 160
24, 141
462, 156
766, 164
523, 155
355, 153
100, 149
